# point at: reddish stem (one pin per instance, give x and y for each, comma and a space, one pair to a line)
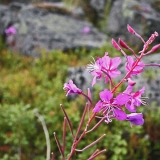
52, 156
95, 155
64, 135
128, 74
76, 142
75, 145
87, 97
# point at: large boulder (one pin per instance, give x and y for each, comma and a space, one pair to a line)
48, 27
142, 15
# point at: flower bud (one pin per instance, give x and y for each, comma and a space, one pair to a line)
155, 48
131, 82
115, 45
156, 34
71, 88
130, 29
123, 44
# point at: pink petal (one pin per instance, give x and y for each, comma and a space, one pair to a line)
130, 60
128, 89
122, 99
98, 106
115, 73
106, 62
136, 118
130, 106
94, 81
106, 95
115, 62
120, 114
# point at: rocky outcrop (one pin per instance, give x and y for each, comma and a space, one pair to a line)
141, 15
41, 28
27, 1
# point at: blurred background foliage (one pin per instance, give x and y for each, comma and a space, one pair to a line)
27, 83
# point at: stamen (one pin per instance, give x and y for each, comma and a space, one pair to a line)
143, 101
91, 67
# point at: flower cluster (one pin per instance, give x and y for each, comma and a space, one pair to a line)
104, 67
112, 103
121, 106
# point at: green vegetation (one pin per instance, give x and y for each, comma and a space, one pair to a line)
27, 83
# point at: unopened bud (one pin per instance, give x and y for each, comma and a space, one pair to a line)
131, 82
123, 44
115, 45
106, 53
130, 29
156, 34
155, 48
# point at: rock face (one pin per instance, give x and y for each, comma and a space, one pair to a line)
150, 78
141, 15
41, 28
94, 10
27, 1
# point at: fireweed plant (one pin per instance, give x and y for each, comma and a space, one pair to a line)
112, 104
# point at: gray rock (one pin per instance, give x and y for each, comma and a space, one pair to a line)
151, 79
27, 1
98, 5
139, 14
80, 77
38, 28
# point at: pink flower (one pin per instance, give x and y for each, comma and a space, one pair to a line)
105, 101
110, 66
70, 88
130, 63
96, 69
85, 30
135, 118
109, 106
10, 31
112, 107
135, 98
104, 67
